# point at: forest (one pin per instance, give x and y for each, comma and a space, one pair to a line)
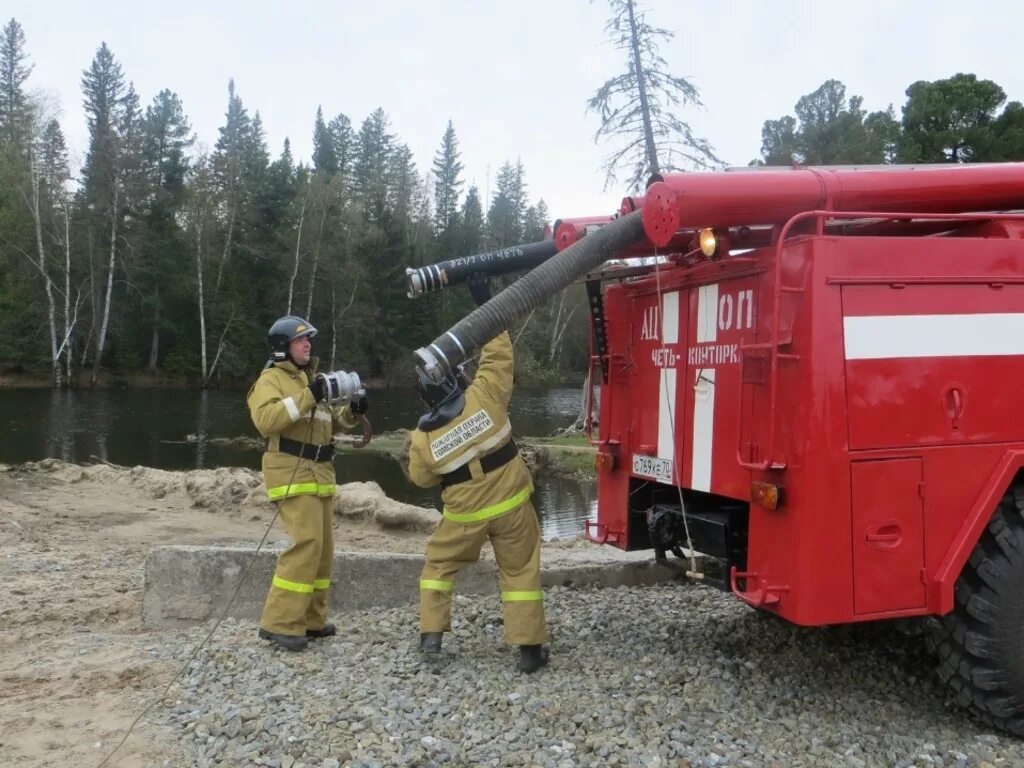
160, 259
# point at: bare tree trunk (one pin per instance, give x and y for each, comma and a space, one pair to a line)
154, 347
220, 344
561, 334
227, 252
67, 292
337, 316
554, 329
71, 323
202, 310
316, 260
334, 324
101, 341
92, 305
51, 305
652, 151
295, 269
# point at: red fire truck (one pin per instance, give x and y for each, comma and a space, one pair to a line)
825, 393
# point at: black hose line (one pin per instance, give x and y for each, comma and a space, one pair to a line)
518, 258
527, 293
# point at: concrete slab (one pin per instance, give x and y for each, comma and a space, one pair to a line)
185, 585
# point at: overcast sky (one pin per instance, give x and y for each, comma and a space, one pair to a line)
514, 76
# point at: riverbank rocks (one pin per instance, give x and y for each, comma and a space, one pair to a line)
368, 501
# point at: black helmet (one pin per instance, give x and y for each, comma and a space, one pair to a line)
445, 401
283, 332
436, 395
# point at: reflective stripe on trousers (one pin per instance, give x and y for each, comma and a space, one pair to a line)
522, 596
440, 586
315, 489
295, 586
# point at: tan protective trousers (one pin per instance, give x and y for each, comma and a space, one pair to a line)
515, 537
297, 600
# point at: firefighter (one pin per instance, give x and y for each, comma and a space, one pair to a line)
464, 444
287, 406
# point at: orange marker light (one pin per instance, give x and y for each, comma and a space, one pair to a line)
765, 494
604, 462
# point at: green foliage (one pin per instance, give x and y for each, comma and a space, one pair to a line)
956, 120
951, 121
447, 184
211, 248
325, 157
15, 111
507, 214
829, 129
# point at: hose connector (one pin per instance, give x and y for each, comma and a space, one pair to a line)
341, 386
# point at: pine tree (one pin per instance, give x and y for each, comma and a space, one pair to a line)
104, 93
404, 182
167, 136
471, 223
508, 208
373, 154
228, 162
830, 129
15, 111
53, 159
951, 121
325, 160
130, 152
344, 143
108, 108
534, 221
639, 106
447, 184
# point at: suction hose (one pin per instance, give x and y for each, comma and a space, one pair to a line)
456, 345
434, 277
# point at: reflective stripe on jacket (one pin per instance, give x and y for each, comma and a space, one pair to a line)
482, 427
281, 405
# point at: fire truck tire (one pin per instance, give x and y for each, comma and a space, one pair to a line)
980, 643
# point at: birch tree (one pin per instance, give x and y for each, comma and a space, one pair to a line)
200, 215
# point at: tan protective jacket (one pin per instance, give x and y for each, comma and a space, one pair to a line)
281, 405
481, 428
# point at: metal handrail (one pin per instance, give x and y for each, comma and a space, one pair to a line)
773, 373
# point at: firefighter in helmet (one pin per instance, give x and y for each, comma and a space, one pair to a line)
464, 444
287, 405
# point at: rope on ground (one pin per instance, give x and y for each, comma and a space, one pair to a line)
227, 606
693, 572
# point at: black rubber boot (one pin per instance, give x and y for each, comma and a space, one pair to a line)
532, 658
288, 642
430, 642
328, 630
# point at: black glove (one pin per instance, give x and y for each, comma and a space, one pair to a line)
479, 288
316, 386
360, 405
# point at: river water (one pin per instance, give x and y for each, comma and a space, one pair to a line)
150, 427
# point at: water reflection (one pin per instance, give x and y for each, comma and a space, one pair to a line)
150, 427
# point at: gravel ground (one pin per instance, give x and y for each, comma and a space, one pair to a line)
644, 676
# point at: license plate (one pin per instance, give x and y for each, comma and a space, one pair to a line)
650, 466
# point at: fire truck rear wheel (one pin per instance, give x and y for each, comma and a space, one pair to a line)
980, 644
